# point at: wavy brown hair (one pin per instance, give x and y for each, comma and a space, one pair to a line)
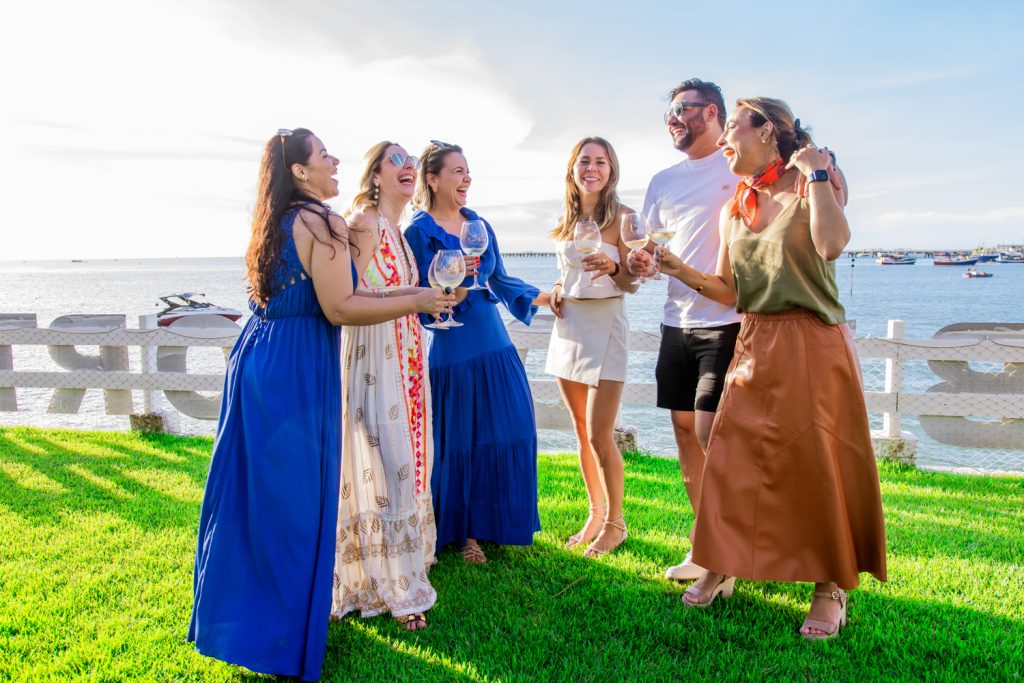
276, 192
431, 161
787, 133
607, 204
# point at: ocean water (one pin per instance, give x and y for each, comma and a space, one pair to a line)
926, 297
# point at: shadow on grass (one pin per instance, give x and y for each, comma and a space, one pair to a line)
92, 472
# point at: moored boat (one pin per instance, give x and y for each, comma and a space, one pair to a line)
186, 305
947, 259
895, 260
1010, 257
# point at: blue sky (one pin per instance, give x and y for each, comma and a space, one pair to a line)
135, 127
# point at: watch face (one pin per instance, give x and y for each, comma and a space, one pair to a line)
818, 175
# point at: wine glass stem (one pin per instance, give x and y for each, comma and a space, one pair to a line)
476, 281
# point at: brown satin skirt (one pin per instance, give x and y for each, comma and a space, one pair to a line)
790, 489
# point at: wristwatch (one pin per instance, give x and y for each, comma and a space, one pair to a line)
818, 175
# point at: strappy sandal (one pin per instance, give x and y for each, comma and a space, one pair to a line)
473, 553
593, 551
412, 622
724, 588
829, 629
578, 538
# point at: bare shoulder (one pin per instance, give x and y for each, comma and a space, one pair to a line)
313, 224
623, 211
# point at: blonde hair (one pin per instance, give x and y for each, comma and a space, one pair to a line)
431, 161
787, 133
374, 158
607, 204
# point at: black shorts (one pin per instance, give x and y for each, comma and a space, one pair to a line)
692, 363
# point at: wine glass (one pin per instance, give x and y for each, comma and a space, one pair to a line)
438, 324
450, 271
661, 228
634, 233
587, 239
474, 242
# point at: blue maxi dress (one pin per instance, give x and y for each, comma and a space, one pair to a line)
484, 481
265, 558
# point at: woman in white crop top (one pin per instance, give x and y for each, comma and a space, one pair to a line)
588, 352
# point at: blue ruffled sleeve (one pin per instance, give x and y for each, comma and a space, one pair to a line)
517, 295
423, 247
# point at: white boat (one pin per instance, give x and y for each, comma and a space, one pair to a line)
1010, 257
895, 260
185, 305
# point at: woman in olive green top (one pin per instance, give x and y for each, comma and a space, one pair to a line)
790, 489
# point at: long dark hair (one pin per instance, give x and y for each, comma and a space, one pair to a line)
276, 192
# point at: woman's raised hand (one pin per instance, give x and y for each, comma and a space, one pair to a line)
433, 301
599, 264
555, 300
669, 262
639, 263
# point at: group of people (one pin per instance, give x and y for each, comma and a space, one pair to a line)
345, 457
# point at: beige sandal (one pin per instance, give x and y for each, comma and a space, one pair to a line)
593, 551
724, 588
829, 629
473, 553
578, 538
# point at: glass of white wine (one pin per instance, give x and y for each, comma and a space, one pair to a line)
438, 324
450, 271
587, 240
473, 241
634, 233
661, 230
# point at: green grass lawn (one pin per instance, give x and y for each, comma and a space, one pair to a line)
98, 532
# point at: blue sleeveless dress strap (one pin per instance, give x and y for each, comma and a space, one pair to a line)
265, 557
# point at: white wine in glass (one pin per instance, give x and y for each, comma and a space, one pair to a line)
450, 271
473, 241
634, 233
438, 324
661, 237
587, 240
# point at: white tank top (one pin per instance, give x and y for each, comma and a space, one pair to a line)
576, 282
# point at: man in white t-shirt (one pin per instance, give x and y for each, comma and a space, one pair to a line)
697, 334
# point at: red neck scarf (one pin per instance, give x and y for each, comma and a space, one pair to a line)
745, 204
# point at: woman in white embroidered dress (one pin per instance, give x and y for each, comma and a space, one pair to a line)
386, 530
588, 348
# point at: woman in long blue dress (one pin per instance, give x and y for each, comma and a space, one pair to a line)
265, 557
485, 437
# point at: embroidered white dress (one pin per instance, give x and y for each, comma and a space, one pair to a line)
386, 531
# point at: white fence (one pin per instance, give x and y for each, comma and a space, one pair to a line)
977, 402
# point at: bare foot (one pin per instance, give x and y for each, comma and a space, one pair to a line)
589, 530
412, 622
612, 535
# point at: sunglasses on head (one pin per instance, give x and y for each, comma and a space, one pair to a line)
442, 145
283, 133
679, 108
400, 160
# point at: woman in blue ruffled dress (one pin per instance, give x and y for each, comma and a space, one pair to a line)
265, 558
485, 437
